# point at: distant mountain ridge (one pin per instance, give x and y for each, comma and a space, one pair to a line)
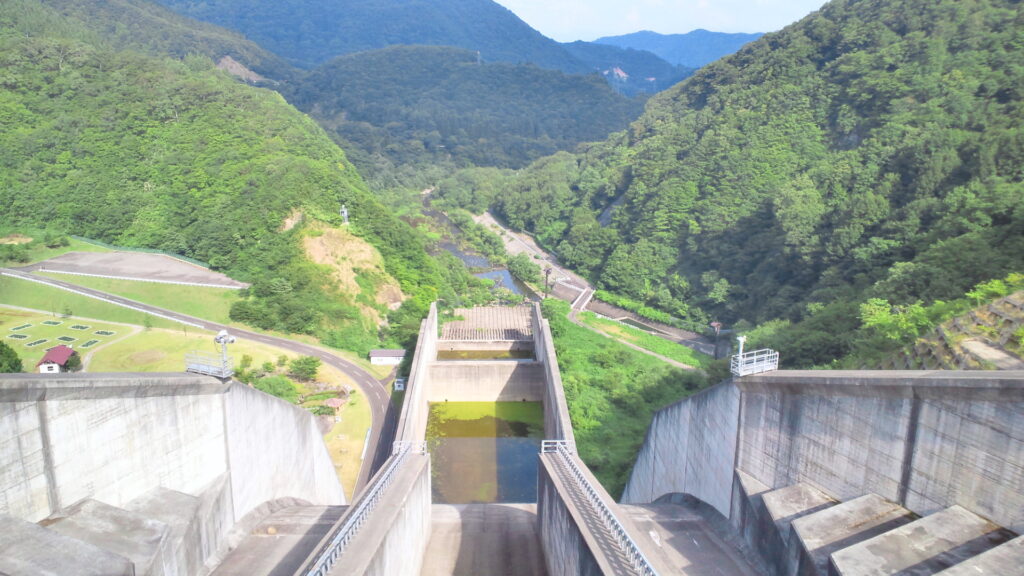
309, 33
692, 49
628, 70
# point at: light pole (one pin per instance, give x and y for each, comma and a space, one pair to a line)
547, 283
223, 338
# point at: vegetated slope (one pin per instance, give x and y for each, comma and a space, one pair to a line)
146, 26
692, 49
310, 32
629, 71
873, 149
423, 105
145, 151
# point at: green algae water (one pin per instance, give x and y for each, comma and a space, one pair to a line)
485, 354
484, 451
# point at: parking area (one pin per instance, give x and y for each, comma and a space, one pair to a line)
136, 266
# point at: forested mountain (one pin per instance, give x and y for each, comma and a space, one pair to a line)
692, 50
145, 26
423, 105
156, 152
310, 32
871, 150
629, 71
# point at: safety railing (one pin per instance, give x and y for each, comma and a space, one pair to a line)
754, 362
333, 550
636, 559
209, 364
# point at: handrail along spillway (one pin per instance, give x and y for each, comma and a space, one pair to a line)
326, 557
638, 562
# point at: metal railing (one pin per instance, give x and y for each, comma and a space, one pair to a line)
209, 364
637, 561
754, 362
330, 553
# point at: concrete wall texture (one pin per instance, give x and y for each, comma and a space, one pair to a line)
926, 440
113, 437
557, 425
486, 381
412, 424
566, 550
690, 448
396, 537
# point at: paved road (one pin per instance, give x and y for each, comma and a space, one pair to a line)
383, 414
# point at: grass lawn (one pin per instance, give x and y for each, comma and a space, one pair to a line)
676, 352
38, 252
17, 292
19, 328
345, 440
207, 303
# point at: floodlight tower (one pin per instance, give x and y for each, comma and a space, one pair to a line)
223, 338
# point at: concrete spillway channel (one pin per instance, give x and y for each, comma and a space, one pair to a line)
482, 504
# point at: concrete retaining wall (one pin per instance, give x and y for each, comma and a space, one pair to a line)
486, 381
115, 437
926, 440
110, 437
412, 424
275, 450
396, 538
690, 448
557, 425
566, 550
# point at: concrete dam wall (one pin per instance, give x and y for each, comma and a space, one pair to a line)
181, 455
825, 472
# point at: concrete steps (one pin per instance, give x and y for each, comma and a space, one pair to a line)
798, 530
143, 541
1006, 558
816, 536
926, 546
28, 549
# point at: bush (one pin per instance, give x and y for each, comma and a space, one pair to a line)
278, 386
304, 368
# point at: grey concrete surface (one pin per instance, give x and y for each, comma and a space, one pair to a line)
141, 540
569, 550
279, 544
136, 265
491, 323
179, 512
395, 541
818, 535
684, 539
27, 549
412, 424
1004, 559
275, 450
557, 425
924, 546
690, 448
785, 505
486, 381
492, 539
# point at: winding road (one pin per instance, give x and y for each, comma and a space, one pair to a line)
383, 415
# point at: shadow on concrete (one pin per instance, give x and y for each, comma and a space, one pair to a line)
492, 539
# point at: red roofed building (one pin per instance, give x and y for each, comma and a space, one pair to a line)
55, 360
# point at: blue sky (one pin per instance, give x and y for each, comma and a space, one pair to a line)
568, 20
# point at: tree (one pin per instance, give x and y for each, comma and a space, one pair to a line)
9, 361
278, 386
304, 368
74, 363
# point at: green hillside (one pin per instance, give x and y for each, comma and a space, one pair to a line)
629, 71
156, 152
423, 106
148, 27
309, 32
873, 149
